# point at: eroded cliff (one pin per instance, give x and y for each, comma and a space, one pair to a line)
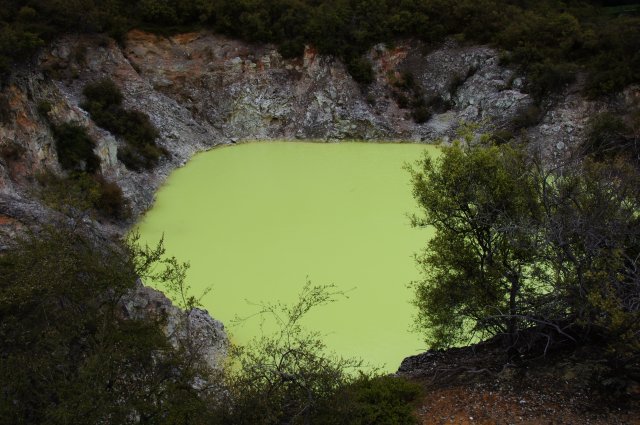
201, 90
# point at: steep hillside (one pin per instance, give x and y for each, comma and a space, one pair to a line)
201, 90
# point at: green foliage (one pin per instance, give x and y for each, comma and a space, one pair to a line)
409, 94
67, 354
361, 71
44, 107
614, 56
84, 190
81, 193
609, 136
379, 400
288, 377
540, 256
421, 114
548, 40
75, 148
594, 236
104, 104
527, 117
614, 136
481, 205
103, 95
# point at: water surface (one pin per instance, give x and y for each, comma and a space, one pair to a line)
257, 220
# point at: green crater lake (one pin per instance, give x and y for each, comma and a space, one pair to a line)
257, 220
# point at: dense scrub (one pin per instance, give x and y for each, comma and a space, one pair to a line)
78, 194
550, 39
545, 256
69, 354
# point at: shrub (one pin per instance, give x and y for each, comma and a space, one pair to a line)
110, 201
406, 81
75, 148
102, 94
421, 114
500, 137
456, 82
548, 77
361, 70
438, 104
288, 377
81, 193
44, 107
607, 137
291, 48
401, 99
379, 400
541, 257
527, 117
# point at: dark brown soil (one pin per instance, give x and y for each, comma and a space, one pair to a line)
475, 385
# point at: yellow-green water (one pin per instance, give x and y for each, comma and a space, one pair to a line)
257, 220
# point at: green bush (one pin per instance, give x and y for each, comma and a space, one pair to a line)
547, 77
75, 148
608, 136
436, 103
288, 377
572, 35
110, 201
381, 400
542, 258
361, 70
527, 117
44, 107
81, 193
401, 99
102, 94
500, 137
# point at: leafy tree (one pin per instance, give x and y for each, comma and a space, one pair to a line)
592, 233
479, 264
539, 255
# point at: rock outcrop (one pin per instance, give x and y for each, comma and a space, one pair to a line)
194, 329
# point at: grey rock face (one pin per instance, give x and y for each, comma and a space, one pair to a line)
202, 90
194, 329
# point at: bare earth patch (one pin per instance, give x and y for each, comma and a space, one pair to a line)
472, 385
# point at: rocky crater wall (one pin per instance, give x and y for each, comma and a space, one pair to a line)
202, 90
